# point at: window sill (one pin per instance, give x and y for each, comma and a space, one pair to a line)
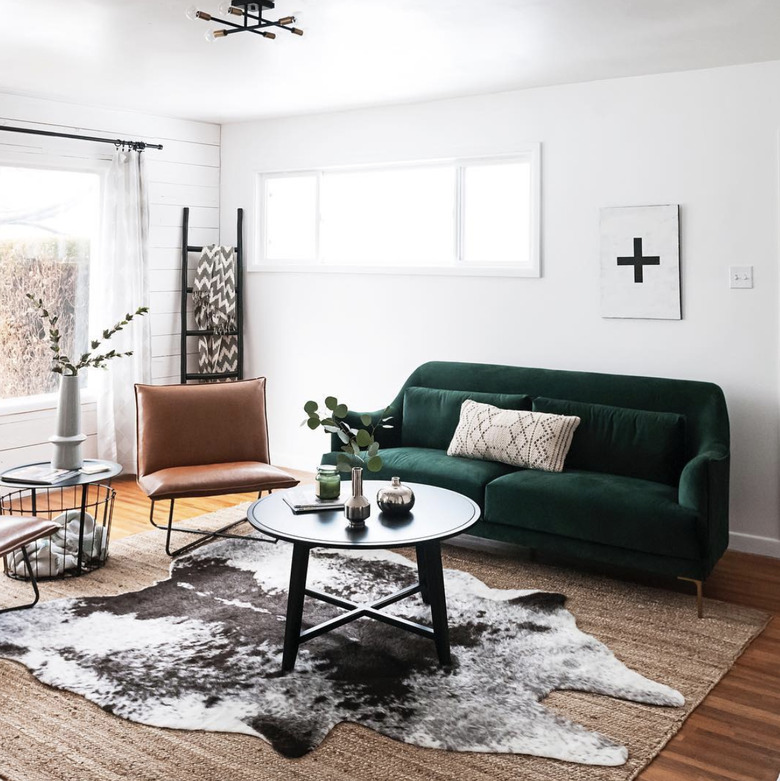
433, 271
47, 401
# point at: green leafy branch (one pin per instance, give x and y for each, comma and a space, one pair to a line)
358, 445
63, 364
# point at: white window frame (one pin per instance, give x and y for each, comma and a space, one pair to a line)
46, 162
530, 153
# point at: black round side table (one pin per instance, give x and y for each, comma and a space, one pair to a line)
438, 514
72, 500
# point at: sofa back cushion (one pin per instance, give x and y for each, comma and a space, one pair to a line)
702, 404
621, 441
431, 415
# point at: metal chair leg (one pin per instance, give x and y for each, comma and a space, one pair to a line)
699, 594
207, 534
170, 526
33, 581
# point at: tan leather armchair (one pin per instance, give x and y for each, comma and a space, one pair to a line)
203, 440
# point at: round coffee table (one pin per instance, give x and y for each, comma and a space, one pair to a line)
438, 514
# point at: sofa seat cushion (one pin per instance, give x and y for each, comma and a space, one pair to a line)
622, 512
431, 415
435, 467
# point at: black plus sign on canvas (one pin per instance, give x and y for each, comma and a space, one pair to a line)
638, 261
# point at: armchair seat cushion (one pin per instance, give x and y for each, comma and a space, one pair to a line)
623, 512
18, 531
214, 479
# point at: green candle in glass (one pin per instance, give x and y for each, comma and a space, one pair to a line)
327, 482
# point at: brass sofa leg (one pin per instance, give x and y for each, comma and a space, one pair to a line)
699, 594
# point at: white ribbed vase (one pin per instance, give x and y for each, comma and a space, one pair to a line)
68, 437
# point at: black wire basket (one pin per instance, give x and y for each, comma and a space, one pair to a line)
80, 545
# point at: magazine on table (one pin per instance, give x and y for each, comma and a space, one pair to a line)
42, 474
304, 500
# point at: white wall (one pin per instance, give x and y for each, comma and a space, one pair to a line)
185, 173
707, 140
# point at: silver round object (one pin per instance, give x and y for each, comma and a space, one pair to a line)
396, 498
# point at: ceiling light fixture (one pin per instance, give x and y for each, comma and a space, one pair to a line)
251, 19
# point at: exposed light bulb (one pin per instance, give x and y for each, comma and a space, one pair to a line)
210, 36
191, 13
224, 8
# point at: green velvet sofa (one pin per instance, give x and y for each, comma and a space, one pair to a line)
645, 483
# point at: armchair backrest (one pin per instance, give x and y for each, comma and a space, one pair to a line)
192, 425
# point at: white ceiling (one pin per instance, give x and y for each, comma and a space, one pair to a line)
146, 55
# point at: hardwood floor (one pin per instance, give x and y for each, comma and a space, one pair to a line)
734, 735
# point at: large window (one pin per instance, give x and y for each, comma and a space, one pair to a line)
49, 221
473, 216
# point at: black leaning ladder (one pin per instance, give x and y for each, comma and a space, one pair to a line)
186, 290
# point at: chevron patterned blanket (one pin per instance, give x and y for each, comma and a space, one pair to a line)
214, 301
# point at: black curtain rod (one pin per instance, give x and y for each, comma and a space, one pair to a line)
138, 146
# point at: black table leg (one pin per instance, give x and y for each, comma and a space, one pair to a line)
295, 598
422, 575
435, 587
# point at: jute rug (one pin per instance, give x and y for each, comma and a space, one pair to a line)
47, 734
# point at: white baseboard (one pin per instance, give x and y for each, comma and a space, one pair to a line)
750, 543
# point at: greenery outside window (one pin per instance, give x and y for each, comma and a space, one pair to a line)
49, 226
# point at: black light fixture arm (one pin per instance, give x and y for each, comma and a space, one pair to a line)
240, 28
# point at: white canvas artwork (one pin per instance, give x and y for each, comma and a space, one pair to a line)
640, 262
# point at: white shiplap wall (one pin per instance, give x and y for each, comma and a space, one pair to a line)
185, 173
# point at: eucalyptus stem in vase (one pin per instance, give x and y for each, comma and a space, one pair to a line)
62, 364
358, 443
68, 438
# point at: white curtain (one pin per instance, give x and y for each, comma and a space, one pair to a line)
123, 286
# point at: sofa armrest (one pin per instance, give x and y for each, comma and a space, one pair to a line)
704, 487
387, 437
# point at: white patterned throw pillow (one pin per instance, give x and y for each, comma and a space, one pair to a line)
535, 440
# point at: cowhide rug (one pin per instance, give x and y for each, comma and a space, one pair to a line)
203, 650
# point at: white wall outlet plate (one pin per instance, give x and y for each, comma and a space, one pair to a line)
741, 276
